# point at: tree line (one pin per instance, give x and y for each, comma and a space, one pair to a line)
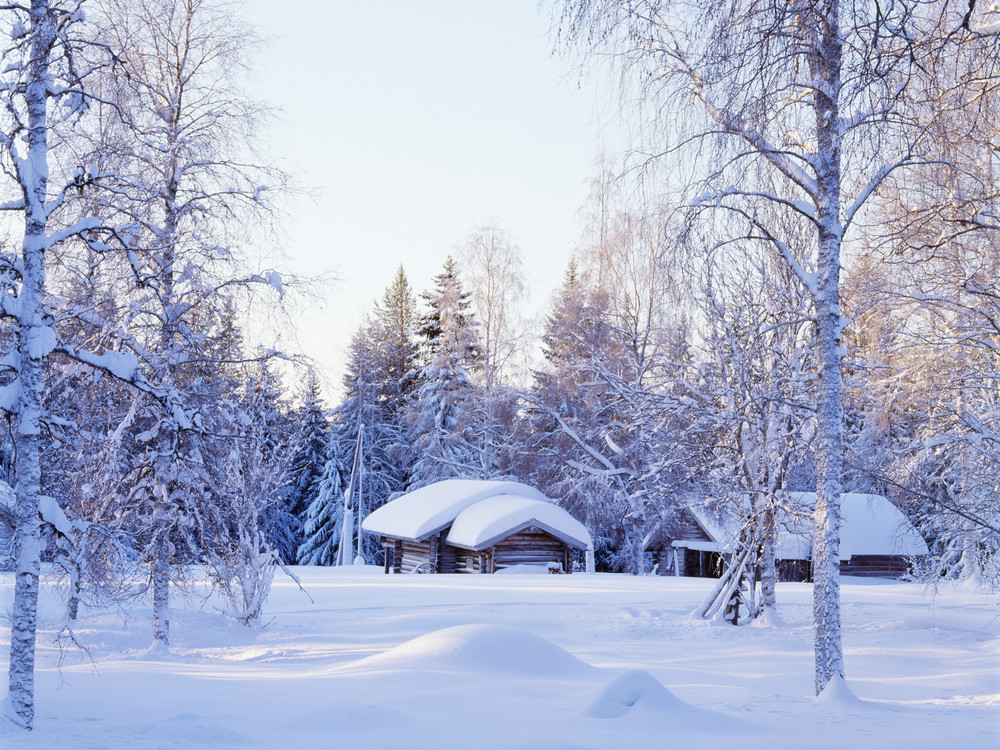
662, 382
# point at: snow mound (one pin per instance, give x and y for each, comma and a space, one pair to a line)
634, 690
838, 694
481, 649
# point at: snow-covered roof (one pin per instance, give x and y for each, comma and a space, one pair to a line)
428, 510
483, 524
871, 525
716, 530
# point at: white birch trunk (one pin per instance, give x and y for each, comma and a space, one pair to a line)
768, 575
33, 175
165, 463
972, 572
635, 539
825, 64
636, 535
160, 574
766, 534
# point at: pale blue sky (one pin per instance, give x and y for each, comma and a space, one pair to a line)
416, 121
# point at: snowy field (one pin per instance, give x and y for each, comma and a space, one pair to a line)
546, 662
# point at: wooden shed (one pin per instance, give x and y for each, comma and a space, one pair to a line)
473, 526
877, 540
699, 557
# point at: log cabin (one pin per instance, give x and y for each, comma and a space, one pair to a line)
474, 526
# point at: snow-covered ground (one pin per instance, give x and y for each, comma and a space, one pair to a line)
520, 661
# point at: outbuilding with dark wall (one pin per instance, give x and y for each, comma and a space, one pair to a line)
876, 540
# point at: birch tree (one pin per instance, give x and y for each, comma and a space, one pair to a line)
187, 181
43, 95
42, 89
757, 331
807, 108
495, 268
931, 275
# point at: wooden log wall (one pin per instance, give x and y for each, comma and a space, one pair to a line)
413, 554
533, 548
794, 570
864, 566
461, 560
448, 559
397, 556
525, 548
702, 563
486, 560
663, 560
876, 566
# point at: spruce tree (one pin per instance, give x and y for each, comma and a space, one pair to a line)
442, 414
377, 387
396, 316
266, 417
308, 457
322, 529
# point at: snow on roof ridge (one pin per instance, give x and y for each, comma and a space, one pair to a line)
712, 526
480, 525
433, 507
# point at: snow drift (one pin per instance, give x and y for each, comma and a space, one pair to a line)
481, 649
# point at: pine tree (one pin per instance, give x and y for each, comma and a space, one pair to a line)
570, 410
395, 372
360, 408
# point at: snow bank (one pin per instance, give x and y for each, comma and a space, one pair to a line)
418, 514
924, 668
482, 524
633, 690
482, 649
